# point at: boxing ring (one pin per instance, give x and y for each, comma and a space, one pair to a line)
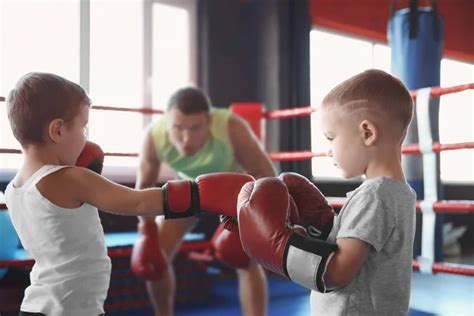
127, 292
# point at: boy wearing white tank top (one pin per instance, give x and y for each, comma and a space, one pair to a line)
53, 204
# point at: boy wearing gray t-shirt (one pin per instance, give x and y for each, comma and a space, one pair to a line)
381, 214
365, 119
363, 267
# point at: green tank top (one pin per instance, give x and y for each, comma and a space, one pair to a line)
217, 154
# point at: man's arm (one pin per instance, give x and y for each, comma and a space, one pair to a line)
148, 259
148, 167
248, 149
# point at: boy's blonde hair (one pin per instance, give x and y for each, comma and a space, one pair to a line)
37, 99
376, 95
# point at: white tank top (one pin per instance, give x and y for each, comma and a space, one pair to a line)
71, 273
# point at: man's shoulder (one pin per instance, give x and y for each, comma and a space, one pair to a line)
157, 129
220, 123
220, 114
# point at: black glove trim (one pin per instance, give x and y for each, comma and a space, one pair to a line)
193, 209
313, 247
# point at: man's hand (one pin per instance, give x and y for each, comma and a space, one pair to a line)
227, 246
148, 260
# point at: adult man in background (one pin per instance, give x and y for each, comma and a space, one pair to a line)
193, 138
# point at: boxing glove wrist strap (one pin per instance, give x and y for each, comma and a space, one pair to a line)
306, 260
180, 199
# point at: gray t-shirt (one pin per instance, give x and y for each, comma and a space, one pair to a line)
380, 212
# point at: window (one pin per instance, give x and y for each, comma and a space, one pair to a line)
116, 76
120, 62
130, 65
173, 49
32, 41
336, 57
456, 121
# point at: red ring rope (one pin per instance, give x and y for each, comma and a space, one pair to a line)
412, 149
147, 111
287, 113
437, 266
451, 206
439, 91
114, 252
294, 155
305, 111
9, 151
450, 268
437, 147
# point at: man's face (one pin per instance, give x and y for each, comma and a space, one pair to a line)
188, 133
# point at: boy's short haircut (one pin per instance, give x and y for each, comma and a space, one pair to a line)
376, 93
37, 99
189, 100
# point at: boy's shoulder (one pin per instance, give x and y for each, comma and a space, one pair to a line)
55, 177
66, 174
384, 185
388, 191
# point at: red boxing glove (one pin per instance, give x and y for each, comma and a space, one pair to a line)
148, 260
91, 157
268, 237
214, 193
227, 246
315, 213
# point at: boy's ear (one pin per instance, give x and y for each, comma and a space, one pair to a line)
369, 132
56, 130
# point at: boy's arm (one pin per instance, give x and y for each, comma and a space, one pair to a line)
112, 197
106, 195
366, 227
346, 262
248, 150
315, 210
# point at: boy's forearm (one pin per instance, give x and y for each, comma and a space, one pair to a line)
144, 207
129, 202
151, 204
346, 262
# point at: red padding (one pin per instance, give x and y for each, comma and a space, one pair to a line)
252, 112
